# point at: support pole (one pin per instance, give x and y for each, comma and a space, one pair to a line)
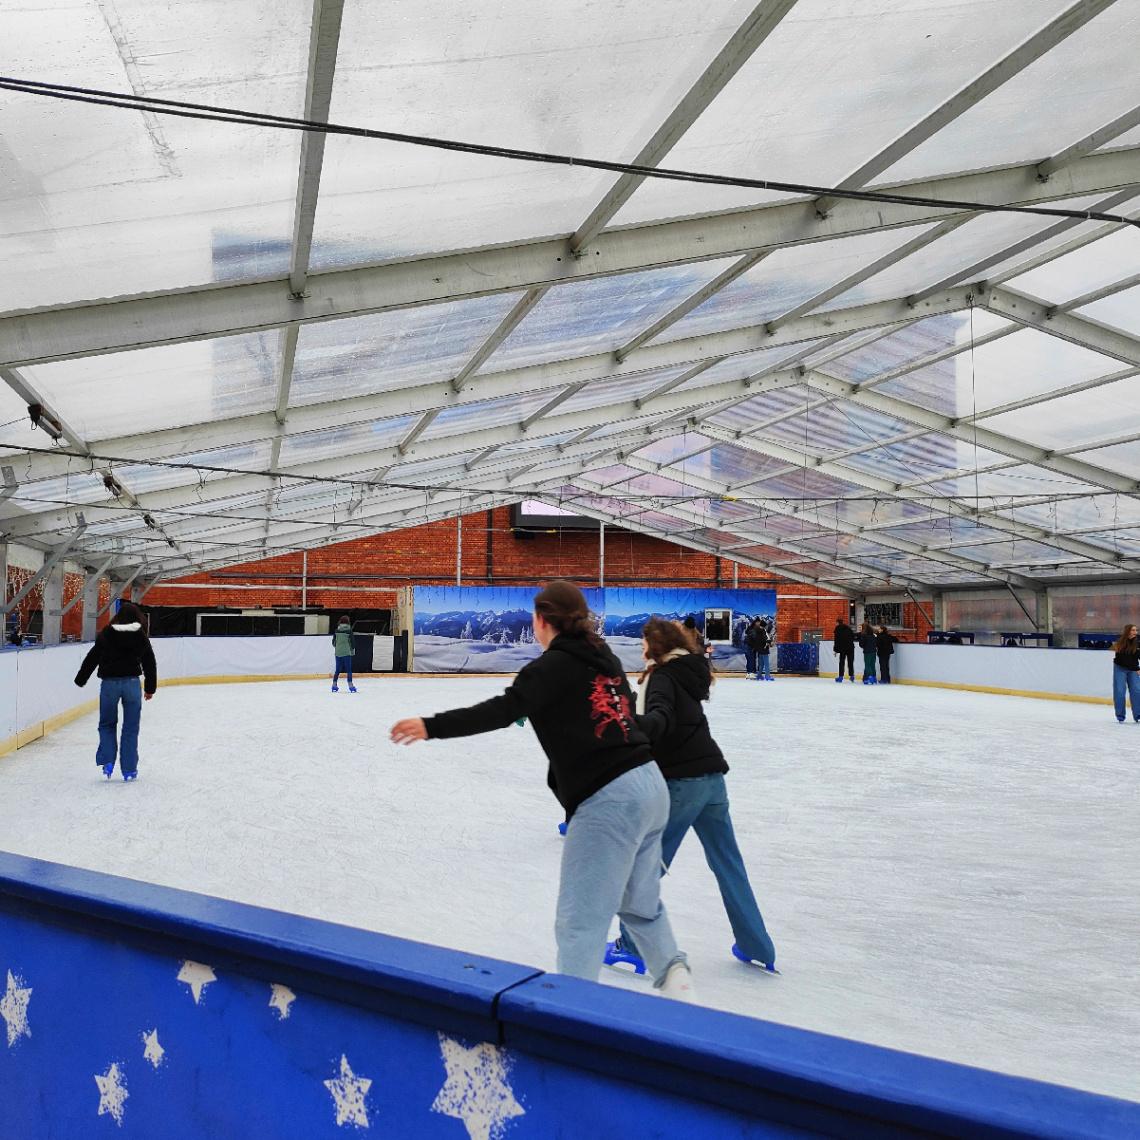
736, 575
459, 550
304, 579
118, 592
601, 555
53, 606
1032, 619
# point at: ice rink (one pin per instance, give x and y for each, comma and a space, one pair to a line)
951, 873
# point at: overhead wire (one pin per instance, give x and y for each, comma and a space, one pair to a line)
215, 114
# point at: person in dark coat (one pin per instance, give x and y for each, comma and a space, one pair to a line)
885, 644
121, 652
1125, 663
669, 711
757, 647
870, 646
844, 648
601, 770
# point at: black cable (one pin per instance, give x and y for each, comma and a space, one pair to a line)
214, 114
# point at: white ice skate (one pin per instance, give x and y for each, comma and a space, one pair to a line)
678, 983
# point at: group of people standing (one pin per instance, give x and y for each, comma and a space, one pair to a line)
633, 774
757, 651
878, 648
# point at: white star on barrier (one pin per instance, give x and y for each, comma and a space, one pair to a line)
281, 998
476, 1091
197, 977
153, 1052
348, 1091
112, 1093
14, 1008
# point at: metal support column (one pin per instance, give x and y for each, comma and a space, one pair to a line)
459, 550
53, 606
304, 579
601, 555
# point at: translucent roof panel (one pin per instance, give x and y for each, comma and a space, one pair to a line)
355, 357
1081, 84
570, 78
1093, 266
105, 202
353, 439
1121, 310
103, 397
894, 61
787, 278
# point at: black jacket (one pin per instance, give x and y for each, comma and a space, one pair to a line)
867, 642
885, 643
844, 639
1128, 660
756, 638
675, 722
581, 707
120, 651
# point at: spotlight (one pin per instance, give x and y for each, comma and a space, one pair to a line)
113, 485
41, 419
149, 520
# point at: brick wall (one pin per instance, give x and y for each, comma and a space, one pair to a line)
365, 573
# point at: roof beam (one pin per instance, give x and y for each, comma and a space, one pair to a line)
50, 562
1028, 51
761, 22
23, 388
1089, 143
221, 309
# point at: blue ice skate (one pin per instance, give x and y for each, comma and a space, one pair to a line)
769, 966
352, 688
1119, 718
562, 828
335, 689
616, 954
130, 775
109, 769
839, 679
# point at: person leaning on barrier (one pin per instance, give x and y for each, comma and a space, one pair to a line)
885, 644
843, 645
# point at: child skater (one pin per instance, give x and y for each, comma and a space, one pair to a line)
602, 772
122, 651
669, 696
344, 648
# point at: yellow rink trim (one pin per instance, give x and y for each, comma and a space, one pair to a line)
1032, 693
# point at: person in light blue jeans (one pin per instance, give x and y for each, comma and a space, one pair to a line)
611, 863
1125, 677
112, 690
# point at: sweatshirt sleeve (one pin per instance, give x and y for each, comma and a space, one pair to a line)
659, 719
90, 663
521, 699
150, 668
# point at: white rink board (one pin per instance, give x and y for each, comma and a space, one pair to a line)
952, 873
1064, 672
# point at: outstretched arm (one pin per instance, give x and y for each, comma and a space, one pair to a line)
518, 701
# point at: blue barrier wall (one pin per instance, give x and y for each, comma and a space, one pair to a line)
139, 1011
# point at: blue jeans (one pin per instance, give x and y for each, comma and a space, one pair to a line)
611, 864
749, 659
765, 666
343, 664
1125, 679
112, 690
701, 802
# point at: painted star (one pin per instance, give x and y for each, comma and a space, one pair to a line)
348, 1091
476, 1091
14, 1008
197, 977
153, 1052
112, 1093
281, 998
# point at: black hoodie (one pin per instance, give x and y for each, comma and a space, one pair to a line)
581, 707
675, 722
120, 651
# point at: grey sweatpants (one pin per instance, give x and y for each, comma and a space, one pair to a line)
611, 864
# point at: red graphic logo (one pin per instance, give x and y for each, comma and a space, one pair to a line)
609, 705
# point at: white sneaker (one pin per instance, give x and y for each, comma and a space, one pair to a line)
750, 676
678, 983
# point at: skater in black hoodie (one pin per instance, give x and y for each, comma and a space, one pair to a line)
122, 651
602, 772
669, 705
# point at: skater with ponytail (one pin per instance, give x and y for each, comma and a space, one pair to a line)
601, 770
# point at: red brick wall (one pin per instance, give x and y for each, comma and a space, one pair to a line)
426, 555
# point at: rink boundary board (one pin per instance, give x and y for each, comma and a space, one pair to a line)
1032, 694
726, 1074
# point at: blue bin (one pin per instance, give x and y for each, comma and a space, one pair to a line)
797, 657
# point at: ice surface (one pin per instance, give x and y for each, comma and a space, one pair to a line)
951, 873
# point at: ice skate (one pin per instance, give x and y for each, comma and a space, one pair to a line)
678, 983
562, 828
738, 953
352, 688
839, 680
128, 776
109, 769
616, 954
335, 689
750, 676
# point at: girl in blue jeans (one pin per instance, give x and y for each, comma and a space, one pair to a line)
1125, 677
669, 702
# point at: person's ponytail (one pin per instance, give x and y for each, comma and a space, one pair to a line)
563, 606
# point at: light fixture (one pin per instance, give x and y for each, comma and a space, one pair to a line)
41, 419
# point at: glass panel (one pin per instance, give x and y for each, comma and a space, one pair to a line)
141, 478
103, 202
914, 459
1094, 266
804, 484
787, 278
55, 494
1123, 458
747, 364
1020, 480
354, 357
570, 77
620, 389
838, 426
1081, 84
312, 446
1122, 310
488, 414
893, 60
749, 414
588, 317
126, 393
